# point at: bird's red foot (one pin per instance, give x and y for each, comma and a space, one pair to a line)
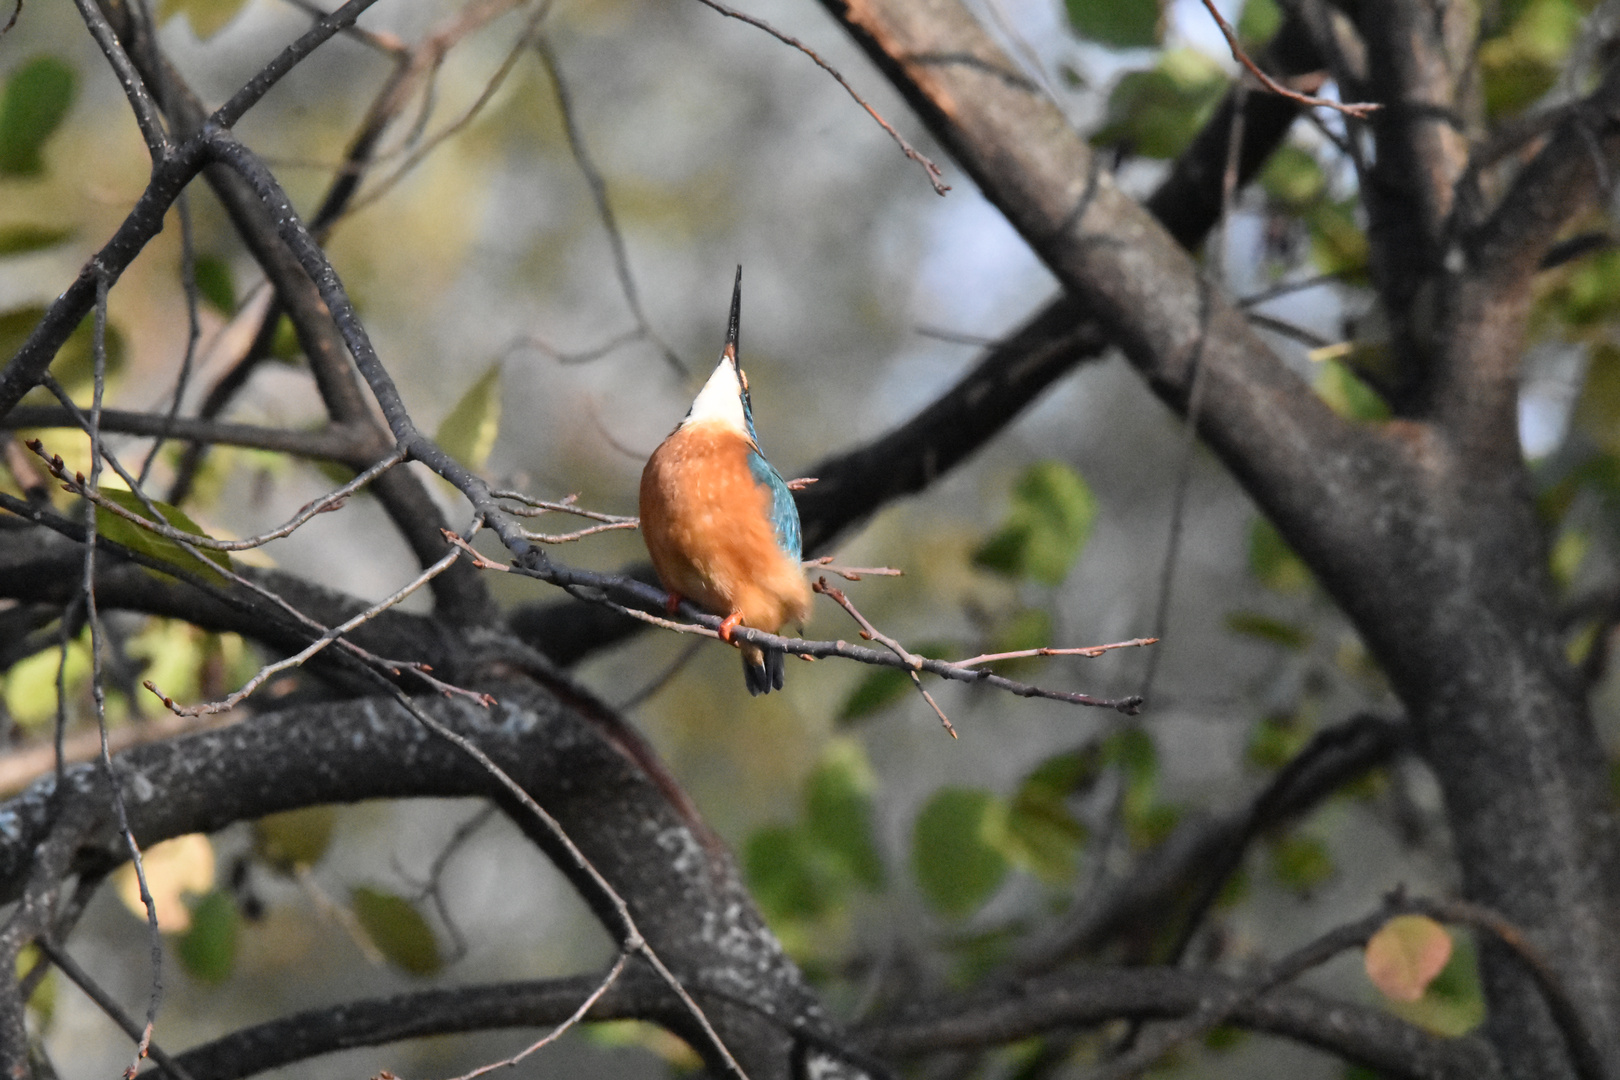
729, 625
672, 603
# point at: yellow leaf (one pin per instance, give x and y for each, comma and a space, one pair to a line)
1405, 955
173, 868
468, 432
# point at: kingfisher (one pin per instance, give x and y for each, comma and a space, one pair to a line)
719, 521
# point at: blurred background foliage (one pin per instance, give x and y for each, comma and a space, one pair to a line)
889, 857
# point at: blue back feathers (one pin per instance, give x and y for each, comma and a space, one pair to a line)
784, 511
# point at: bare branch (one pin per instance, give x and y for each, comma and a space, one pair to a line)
332, 500
1091, 996
230, 701
604, 208
935, 177
598, 588
1359, 110
910, 661
557, 1032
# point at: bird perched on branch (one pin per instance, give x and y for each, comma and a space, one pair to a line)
720, 522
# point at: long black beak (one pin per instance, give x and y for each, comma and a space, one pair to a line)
736, 318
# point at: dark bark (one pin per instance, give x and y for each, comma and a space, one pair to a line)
681, 887
1424, 533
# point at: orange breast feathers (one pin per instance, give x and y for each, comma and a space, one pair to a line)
707, 525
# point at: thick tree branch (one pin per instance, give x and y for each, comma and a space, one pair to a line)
348, 446
683, 891
1178, 879
1433, 549
1087, 998
459, 592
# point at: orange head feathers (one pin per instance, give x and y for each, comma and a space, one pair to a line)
719, 521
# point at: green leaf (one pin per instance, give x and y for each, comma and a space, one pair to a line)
1273, 563
207, 17
214, 283
838, 811
1265, 628
398, 930
208, 948
882, 687
1454, 1003
1524, 63
1148, 819
1156, 113
1259, 22
1042, 835
785, 876
1072, 772
1338, 245
1568, 553
1275, 740
1123, 24
22, 239
1300, 863
42, 1002
294, 838
954, 856
1047, 527
1589, 295
1293, 177
74, 366
122, 531
284, 343
1347, 394
1133, 751
30, 684
36, 98
468, 433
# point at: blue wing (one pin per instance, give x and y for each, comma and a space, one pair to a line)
784, 512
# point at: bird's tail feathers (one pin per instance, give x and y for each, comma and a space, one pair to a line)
763, 669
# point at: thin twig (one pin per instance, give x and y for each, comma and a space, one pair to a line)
98, 694
230, 701
1286, 288
851, 573
557, 1032
332, 500
387, 44
630, 936
597, 588
604, 208
580, 534
660, 680
107, 1004
188, 285
1360, 110
535, 507
872, 633
1307, 338
432, 888
1084, 650
935, 177
436, 48
581, 356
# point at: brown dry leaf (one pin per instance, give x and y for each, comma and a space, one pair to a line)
1405, 955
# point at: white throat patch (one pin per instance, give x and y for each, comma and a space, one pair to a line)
720, 400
